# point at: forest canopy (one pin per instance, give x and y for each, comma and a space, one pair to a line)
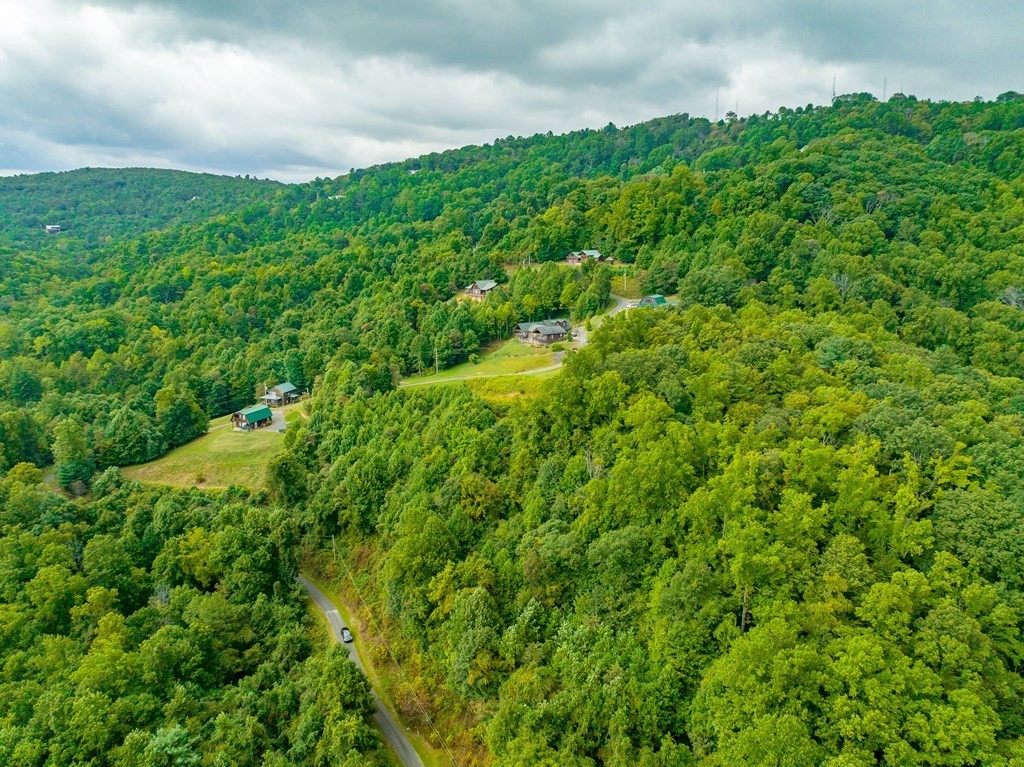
775, 522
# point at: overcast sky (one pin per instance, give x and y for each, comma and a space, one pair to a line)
294, 90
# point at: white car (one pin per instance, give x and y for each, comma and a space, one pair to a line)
346, 635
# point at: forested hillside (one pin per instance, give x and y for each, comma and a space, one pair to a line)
155, 627
756, 536
776, 524
95, 206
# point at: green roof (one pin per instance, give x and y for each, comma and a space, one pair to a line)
653, 300
284, 388
255, 413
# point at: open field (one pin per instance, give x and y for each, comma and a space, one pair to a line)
504, 358
220, 458
507, 388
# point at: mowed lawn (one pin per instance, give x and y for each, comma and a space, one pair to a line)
220, 458
507, 358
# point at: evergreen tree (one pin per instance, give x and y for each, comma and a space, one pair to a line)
178, 416
131, 437
72, 454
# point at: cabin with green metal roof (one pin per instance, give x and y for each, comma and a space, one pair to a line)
653, 300
253, 417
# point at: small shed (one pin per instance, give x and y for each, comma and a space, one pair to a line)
282, 394
653, 300
253, 417
52, 229
478, 290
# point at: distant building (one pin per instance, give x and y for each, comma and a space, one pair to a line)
653, 300
254, 417
579, 256
478, 290
282, 394
543, 333
52, 229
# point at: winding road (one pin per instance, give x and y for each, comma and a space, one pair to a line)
392, 732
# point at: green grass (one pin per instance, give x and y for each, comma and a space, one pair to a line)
507, 388
507, 358
220, 458
630, 288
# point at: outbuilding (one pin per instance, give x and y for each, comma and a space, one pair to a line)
653, 300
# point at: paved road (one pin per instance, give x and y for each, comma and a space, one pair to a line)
620, 304
581, 336
393, 733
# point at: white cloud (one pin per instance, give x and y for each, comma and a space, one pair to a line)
243, 88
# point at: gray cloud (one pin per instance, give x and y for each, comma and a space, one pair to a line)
294, 90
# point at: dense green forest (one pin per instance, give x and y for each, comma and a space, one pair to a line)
160, 627
779, 523
95, 206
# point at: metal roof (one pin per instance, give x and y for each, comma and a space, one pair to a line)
255, 413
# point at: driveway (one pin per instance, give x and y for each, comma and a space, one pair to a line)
579, 334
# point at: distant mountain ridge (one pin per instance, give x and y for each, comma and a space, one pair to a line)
93, 206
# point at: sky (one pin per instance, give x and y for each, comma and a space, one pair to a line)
295, 90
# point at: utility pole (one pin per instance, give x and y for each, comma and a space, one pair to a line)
437, 369
833, 89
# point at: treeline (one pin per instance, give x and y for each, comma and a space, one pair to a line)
156, 627
759, 536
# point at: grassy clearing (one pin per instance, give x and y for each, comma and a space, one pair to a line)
506, 358
503, 390
628, 288
220, 458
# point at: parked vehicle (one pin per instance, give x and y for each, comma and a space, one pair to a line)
346, 635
